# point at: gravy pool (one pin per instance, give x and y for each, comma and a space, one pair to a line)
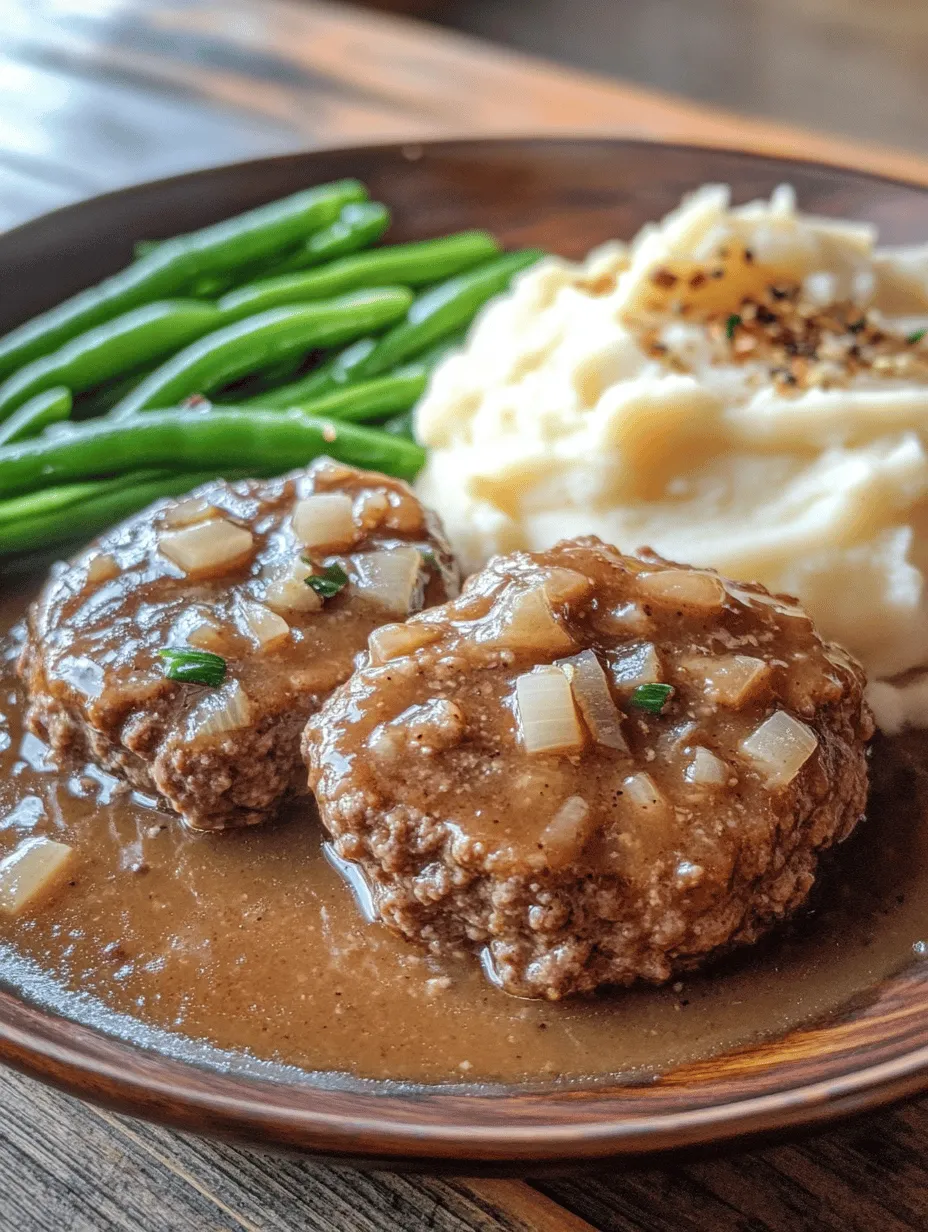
249, 940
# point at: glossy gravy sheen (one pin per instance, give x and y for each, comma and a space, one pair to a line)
251, 941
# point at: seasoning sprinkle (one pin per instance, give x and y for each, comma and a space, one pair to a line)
799, 344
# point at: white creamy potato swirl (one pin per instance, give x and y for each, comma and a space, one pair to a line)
744, 388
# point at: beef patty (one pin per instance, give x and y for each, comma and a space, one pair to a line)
592, 768
225, 571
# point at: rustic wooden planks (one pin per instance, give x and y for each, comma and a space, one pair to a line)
67, 1166
95, 96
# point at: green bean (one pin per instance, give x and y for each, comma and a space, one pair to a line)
49, 500
322, 380
360, 224
174, 264
444, 310
245, 389
413, 265
261, 340
102, 398
338, 372
50, 406
130, 341
400, 425
261, 440
369, 401
101, 505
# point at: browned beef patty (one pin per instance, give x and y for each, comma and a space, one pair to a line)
514, 776
225, 571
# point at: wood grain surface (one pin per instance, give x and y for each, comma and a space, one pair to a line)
842, 66
95, 96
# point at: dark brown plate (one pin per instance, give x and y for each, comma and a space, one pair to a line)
565, 196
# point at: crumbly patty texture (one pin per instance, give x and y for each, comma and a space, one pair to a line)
592, 768
225, 571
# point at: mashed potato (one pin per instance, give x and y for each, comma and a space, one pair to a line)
743, 388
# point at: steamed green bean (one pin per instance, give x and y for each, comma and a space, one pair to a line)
360, 224
132, 340
49, 407
258, 341
442, 311
238, 437
369, 401
412, 265
173, 265
101, 504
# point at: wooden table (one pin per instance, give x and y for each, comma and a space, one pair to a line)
95, 95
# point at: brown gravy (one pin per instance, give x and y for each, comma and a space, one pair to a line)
251, 942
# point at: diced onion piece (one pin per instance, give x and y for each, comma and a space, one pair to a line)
545, 710
685, 588
228, 709
325, 519
327, 473
643, 792
190, 511
290, 593
591, 693
388, 743
207, 635
389, 578
628, 618
730, 680
636, 665
371, 508
526, 622
393, 641
31, 872
208, 547
779, 748
567, 833
707, 770
566, 586
102, 568
266, 627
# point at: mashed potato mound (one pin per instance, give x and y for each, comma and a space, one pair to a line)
745, 388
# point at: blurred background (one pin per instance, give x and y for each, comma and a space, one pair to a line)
96, 94
856, 67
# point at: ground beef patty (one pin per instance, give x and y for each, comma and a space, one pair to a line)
225, 571
592, 768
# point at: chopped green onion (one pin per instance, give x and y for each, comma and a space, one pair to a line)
329, 582
651, 697
193, 666
916, 336
731, 325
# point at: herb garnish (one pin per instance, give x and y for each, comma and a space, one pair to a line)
193, 666
731, 325
916, 336
329, 582
651, 697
